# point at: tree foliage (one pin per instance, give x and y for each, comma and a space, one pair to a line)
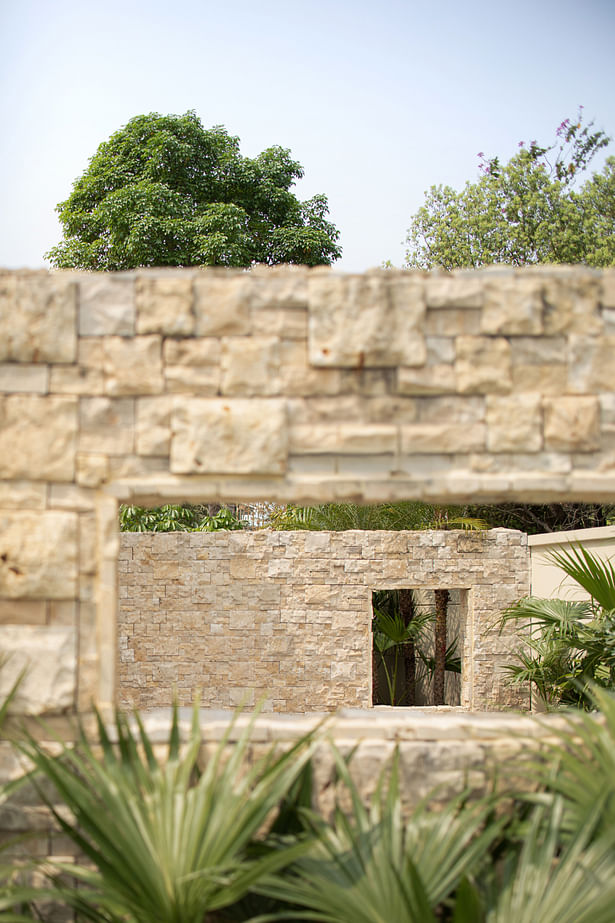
528, 210
164, 191
175, 518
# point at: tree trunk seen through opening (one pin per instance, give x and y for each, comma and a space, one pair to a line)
406, 610
441, 599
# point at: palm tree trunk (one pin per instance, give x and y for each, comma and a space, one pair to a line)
442, 597
407, 612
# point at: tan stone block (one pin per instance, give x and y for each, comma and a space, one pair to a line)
373, 320
442, 438
38, 555
572, 423
452, 322
38, 436
71, 497
164, 303
433, 379
450, 409
571, 301
538, 350
38, 314
15, 377
23, 612
88, 549
298, 377
107, 304
133, 365
607, 288
48, 654
192, 365
92, 470
106, 425
229, 436
86, 377
242, 568
250, 365
222, 303
514, 424
63, 612
540, 379
483, 365
153, 429
454, 290
280, 287
343, 438
513, 304
592, 364
27, 495
287, 323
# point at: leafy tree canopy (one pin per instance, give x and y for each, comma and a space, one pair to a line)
164, 191
528, 210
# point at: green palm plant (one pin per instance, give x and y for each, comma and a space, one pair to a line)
569, 647
164, 841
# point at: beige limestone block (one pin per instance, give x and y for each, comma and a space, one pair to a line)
454, 290
483, 365
230, 436
513, 305
23, 612
572, 423
153, 430
433, 379
71, 497
373, 320
592, 364
250, 365
447, 322
571, 301
514, 423
222, 303
106, 425
442, 438
48, 655
133, 365
450, 409
107, 304
192, 365
287, 323
298, 377
92, 470
86, 376
15, 377
343, 438
243, 567
538, 350
38, 555
38, 317
38, 437
164, 303
540, 379
607, 288
26, 495
280, 286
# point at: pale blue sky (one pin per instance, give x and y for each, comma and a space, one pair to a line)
377, 100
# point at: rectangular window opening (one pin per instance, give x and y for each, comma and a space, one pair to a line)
407, 625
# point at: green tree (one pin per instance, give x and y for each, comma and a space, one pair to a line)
525, 211
164, 191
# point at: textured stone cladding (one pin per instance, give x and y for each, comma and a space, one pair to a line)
281, 384
285, 617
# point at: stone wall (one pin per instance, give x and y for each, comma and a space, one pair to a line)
286, 616
282, 384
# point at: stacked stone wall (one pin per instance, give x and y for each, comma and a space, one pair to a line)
285, 617
287, 385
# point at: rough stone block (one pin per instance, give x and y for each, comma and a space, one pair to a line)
49, 656
592, 364
38, 436
482, 365
38, 555
343, 438
38, 317
92, 470
106, 425
153, 429
571, 301
33, 379
86, 377
513, 305
370, 320
107, 304
442, 438
298, 377
23, 495
230, 436
514, 423
572, 424
454, 290
164, 303
250, 366
192, 365
538, 350
539, 379
23, 612
133, 365
222, 303
433, 379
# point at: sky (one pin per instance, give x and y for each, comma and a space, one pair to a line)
377, 100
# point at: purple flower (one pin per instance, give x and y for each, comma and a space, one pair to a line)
521, 144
